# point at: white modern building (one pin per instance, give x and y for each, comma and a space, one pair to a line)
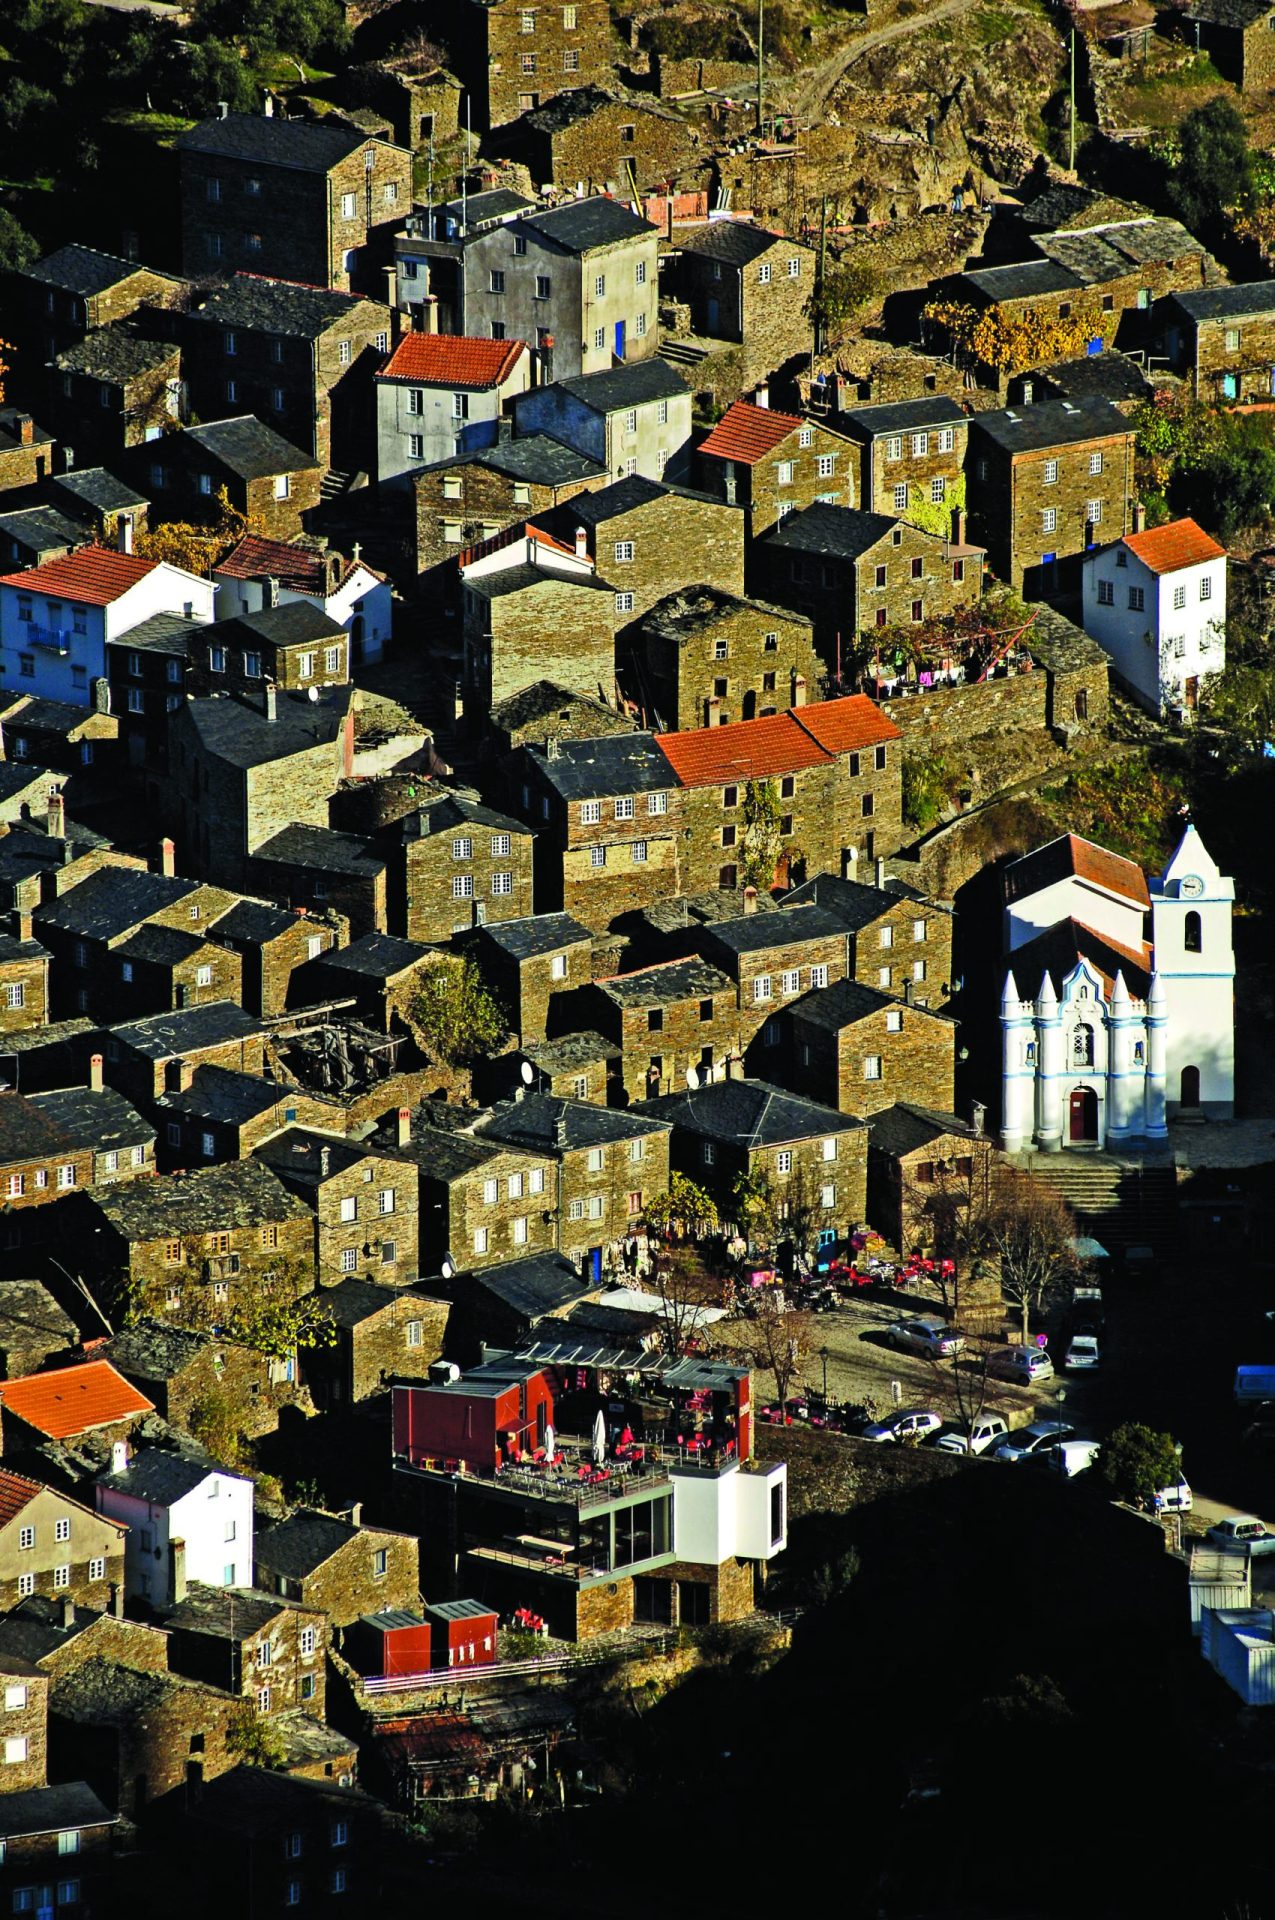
1118, 1010
734, 1511
165, 1499
56, 619
440, 396
261, 573
1156, 603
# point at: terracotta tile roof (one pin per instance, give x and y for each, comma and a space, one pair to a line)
1169, 549
748, 433
746, 750
301, 569
846, 725
452, 360
95, 576
73, 1399
1057, 949
1070, 857
15, 1494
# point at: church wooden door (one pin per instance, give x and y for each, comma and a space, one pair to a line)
1082, 1117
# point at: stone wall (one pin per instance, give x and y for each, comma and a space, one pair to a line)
674, 77
30, 1724
469, 502
912, 1051
432, 913
769, 664
348, 1585
555, 629
383, 1349
673, 538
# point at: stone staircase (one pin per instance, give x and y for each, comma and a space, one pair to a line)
334, 483
682, 353
1120, 1200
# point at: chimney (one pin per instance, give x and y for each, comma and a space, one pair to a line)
750, 899
908, 992
799, 690
56, 816
504, 430
272, 700
21, 923
552, 748
560, 1132
734, 1068
25, 427
119, 1456
223, 109
176, 1572
762, 396
124, 533
66, 1612
582, 544
403, 1131
117, 1603
1139, 517
95, 1073
958, 526
325, 1162
168, 857
267, 106
978, 1114
878, 872
178, 1075
356, 1513
270, 591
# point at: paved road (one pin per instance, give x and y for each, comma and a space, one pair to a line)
821, 82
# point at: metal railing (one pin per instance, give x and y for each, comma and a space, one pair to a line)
56, 639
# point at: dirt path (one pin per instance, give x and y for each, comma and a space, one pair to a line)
819, 85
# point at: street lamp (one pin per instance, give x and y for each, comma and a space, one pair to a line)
823, 1355
1061, 1398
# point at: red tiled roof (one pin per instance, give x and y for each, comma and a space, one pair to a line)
452, 360
299, 568
95, 576
73, 1399
1070, 857
746, 750
747, 433
1168, 549
15, 1494
1057, 949
848, 724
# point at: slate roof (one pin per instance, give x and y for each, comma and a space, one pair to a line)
115, 356
95, 576
632, 385
853, 904
1024, 280
680, 615
755, 932
581, 103
99, 489
252, 1800
27, 1306
452, 360
161, 1477
249, 448
736, 241
153, 1350
72, 1400
226, 1613
324, 849
1228, 303
377, 956
747, 1113
905, 416
539, 933
34, 1629
104, 1693
540, 1284
582, 225
747, 433
1048, 423
671, 980
439, 1153
44, 1810
611, 763
351, 1302
572, 1050
1069, 857
545, 1123
903, 1128
41, 530
161, 946
82, 270
542, 700
109, 902
306, 1540
538, 458
447, 811
496, 586
27, 1133
485, 208
241, 735
277, 306
846, 1001
252, 922
294, 624
105, 1121
1228, 13
10, 438
311, 146
1104, 252
1095, 376
225, 1095
1170, 548
243, 1193
161, 1036
299, 1153
845, 533
163, 633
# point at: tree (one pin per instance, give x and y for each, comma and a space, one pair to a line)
197, 546
777, 1340
1012, 342
255, 1737
1136, 1461
453, 1017
214, 1422
929, 779
685, 1209
1029, 1228
18, 248
686, 1288
271, 1320
1214, 169
761, 843
839, 293
1234, 487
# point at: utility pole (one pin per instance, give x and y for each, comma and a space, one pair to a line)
1071, 162
761, 64
819, 331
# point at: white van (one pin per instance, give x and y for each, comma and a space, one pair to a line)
1026, 1366
1067, 1458
1174, 1499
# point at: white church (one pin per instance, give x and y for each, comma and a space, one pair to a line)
1133, 1016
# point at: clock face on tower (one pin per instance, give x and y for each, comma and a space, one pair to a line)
1191, 886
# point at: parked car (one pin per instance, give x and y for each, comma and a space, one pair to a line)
984, 1433
932, 1338
1028, 1440
1174, 1499
1066, 1458
914, 1424
1083, 1352
1087, 1312
1025, 1366
1243, 1530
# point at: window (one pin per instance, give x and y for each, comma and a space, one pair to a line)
97, 1569
26, 1538
872, 1066
599, 338
783, 1161
900, 499
350, 1207
623, 552
1232, 339
1179, 598
1095, 463
26, 1585
920, 445
252, 666
62, 1529
1106, 593
1049, 520
1093, 512
786, 470
730, 796
66, 1175
15, 1749
763, 273
826, 464
1137, 599
918, 610
624, 807
15, 1184
624, 603
761, 987
590, 813
790, 981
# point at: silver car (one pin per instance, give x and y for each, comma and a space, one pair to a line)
933, 1338
914, 1425
1027, 1440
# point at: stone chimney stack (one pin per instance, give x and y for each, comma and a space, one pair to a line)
272, 701
958, 526
325, 1162
56, 817
750, 899
178, 1075
799, 690
25, 426
176, 1572
403, 1128
124, 533
66, 1612
168, 857
117, 1602
1139, 517
95, 1073
582, 544
22, 923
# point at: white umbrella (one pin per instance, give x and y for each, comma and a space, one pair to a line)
549, 1441
599, 1438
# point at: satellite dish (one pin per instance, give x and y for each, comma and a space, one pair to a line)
528, 1073
447, 1266
313, 695
692, 1077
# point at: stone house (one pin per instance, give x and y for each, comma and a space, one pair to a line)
217, 1114
164, 968
148, 671
1052, 480
645, 538
69, 1403
1222, 340
461, 503
182, 1371
131, 1733
53, 1545
528, 621
852, 572
239, 773
39, 1162
670, 1020
506, 1306
86, 928
57, 1636
32, 535
146, 1058
747, 285
250, 1644
26, 451
421, 100
41, 1826
311, 200
352, 1190
481, 1202
701, 657
113, 389
271, 945
577, 1066
916, 1159
610, 815
95, 1119
24, 1726
375, 971
24, 980
34, 1329
70, 739
911, 454
771, 958
256, 1837
442, 396
106, 506
457, 864
813, 1159
301, 358
527, 963
295, 644
338, 1566
857, 1049
382, 1334
73, 291
1236, 34
543, 712
899, 939
258, 575
311, 867
772, 464
630, 419
592, 141
265, 478
511, 58
188, 1249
